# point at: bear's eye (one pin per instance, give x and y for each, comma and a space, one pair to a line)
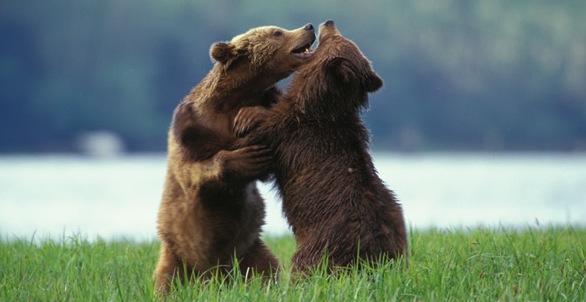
278, 33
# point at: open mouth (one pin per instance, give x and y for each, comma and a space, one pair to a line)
304, 51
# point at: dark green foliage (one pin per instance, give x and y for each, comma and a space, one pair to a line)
461, 75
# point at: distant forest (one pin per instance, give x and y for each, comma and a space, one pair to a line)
493, 75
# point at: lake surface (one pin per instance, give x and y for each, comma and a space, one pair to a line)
55, 196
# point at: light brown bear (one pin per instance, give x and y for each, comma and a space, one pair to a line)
211, 212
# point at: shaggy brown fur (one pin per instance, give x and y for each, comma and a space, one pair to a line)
334, 200
211, 211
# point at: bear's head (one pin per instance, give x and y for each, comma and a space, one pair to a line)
268, 50
337, 71
343, 60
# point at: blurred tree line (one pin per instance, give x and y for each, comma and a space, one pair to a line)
459, 75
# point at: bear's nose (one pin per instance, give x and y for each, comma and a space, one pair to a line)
329, 22
309, 26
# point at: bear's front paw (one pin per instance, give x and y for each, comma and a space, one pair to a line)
248, 118
248, 163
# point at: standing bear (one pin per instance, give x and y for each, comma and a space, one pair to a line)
333, 199
211, 211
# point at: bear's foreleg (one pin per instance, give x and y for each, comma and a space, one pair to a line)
248, 118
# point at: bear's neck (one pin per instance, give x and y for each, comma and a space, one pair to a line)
238, 88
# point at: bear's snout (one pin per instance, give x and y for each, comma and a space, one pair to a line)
329, 22
309, 26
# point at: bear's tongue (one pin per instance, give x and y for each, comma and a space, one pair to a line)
303, 51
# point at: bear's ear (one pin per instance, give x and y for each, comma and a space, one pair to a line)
347, 73
223, 52
373, 81
340, 71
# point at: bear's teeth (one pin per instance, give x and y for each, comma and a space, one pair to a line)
307, 50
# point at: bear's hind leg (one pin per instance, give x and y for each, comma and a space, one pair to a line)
260, 260
168, 268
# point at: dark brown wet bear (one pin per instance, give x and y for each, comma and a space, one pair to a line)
333, 198
211, 210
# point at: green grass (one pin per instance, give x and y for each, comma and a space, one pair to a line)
535, 264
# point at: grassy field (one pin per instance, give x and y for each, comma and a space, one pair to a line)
535, 264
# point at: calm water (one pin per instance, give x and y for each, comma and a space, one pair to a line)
113, 198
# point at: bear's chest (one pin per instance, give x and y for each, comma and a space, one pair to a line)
220, 122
